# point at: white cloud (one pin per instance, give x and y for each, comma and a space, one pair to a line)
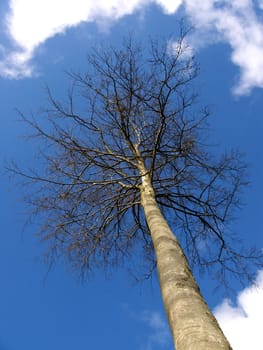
169, 6
237, 22
30, 23
242, 324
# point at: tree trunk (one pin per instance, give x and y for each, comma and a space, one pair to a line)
192, 324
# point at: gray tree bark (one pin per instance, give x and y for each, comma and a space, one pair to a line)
192, 324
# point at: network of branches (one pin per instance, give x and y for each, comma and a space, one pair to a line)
135, 104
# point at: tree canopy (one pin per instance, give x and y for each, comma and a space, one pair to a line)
135, 104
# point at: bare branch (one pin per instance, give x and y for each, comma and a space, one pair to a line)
134, 108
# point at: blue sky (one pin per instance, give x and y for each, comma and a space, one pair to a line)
39, 40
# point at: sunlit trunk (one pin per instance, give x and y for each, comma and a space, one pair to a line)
192, 324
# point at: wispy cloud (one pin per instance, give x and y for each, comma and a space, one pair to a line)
242, 323
156, 333
159, 334
28, 24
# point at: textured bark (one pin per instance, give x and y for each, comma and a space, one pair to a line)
192, 324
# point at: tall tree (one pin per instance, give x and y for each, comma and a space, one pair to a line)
124, 161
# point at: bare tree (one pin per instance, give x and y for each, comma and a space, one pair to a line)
124, 160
